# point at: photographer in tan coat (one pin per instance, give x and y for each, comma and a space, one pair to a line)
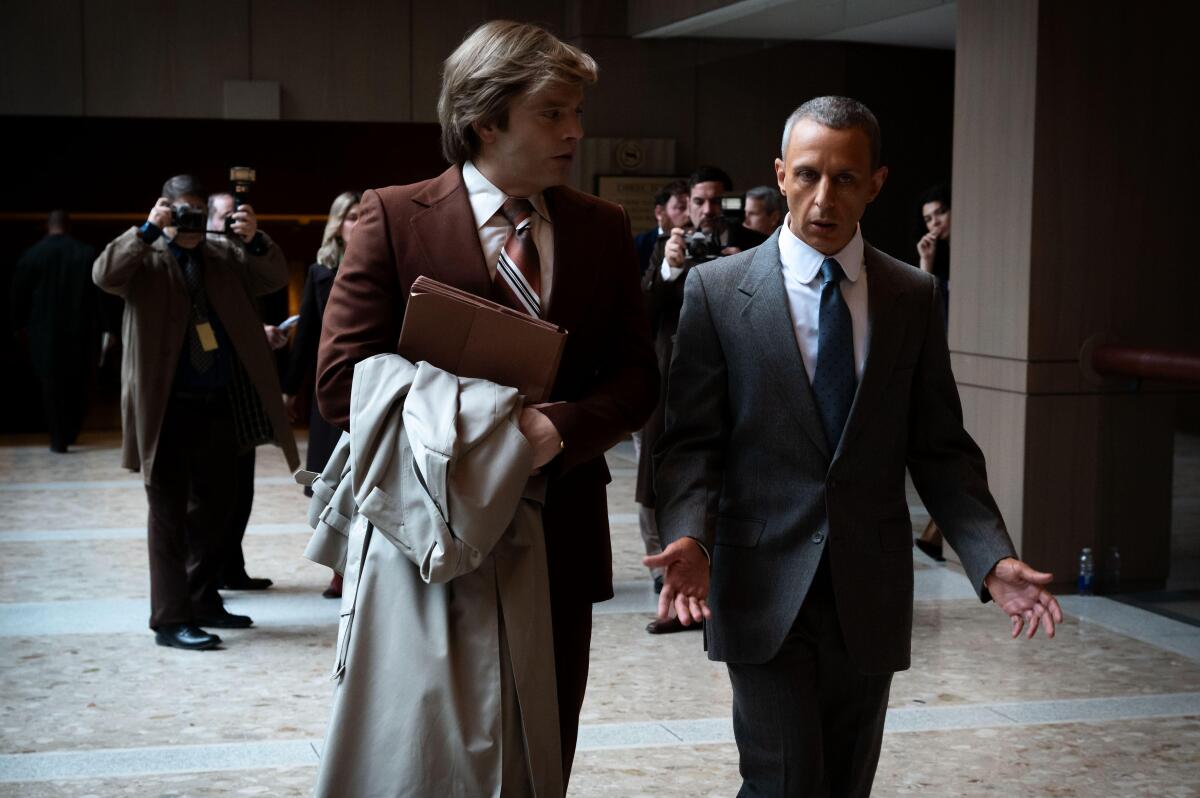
198, 387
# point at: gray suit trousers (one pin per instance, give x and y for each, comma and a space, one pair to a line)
807, 722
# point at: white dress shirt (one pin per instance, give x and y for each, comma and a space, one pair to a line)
486, 201
802, 280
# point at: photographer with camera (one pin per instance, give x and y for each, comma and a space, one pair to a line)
200, 388
709, 234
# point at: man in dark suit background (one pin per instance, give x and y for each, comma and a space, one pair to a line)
54, 300
670, 211
705, 235
808, 374
500, 223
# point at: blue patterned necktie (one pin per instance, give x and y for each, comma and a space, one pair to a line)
834, 379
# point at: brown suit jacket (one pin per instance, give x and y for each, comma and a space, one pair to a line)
607, 382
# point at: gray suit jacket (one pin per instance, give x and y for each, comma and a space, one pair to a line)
744, 465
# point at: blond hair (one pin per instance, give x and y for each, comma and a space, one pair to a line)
498, 61
332, 246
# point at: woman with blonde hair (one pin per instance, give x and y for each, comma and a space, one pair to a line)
302, 369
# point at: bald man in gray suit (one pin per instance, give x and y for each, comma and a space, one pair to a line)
808, 373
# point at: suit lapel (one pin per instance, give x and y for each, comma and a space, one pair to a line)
883, 343
575, 267
446, 232
769, 317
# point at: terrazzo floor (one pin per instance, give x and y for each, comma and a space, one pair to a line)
91, 707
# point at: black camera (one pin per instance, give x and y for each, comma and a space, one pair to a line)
241, 180
701, 246
187, 219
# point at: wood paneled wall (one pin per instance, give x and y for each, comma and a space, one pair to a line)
109, 98
1070, 212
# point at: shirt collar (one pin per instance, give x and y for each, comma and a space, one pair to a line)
486, 199
182, 255
805, 262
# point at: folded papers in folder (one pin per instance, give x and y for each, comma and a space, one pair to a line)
470, 336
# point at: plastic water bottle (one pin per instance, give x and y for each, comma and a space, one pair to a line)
1112, 571
1087, 572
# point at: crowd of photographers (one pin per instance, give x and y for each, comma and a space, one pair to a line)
200, 384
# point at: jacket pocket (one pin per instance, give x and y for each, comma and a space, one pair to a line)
743, 532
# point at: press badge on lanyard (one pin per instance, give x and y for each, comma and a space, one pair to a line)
208, 339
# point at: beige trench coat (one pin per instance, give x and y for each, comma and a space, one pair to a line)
444, 659
157, 309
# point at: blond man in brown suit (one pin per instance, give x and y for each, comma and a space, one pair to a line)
510, 110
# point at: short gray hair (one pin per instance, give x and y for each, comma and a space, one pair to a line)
182, 186
839, 113
771, 199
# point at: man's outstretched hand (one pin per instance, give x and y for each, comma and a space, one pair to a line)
685, 581
1017, 589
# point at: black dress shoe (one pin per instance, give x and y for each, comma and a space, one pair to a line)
670, 626
934, 550
226, 620
244, 582
184, 635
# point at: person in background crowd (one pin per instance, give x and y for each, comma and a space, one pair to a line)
301, 375
232, 575
933, 251
199, 387
670, 211
764, 209
53, 299
708, 235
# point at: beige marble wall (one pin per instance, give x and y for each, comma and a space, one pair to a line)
1054, 242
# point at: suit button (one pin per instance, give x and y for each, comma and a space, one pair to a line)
818, 538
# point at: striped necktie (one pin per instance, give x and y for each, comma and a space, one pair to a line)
518, 280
